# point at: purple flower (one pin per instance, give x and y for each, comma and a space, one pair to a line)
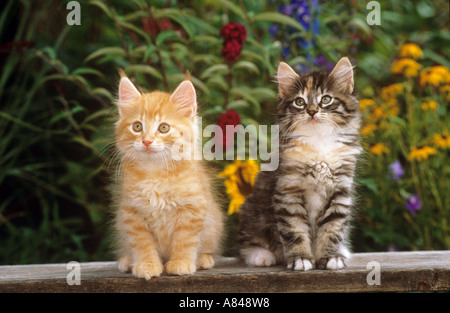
273, 30
285, 9
322, 62
396, 171
285, 50
413, 203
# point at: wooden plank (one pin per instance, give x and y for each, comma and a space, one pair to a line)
399, 271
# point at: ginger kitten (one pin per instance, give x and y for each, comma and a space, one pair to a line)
167, 218
300, 214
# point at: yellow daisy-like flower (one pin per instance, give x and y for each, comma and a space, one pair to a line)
406, 67
369, 130
378, 149
378, 114
239, 181
411, 50
434, 76
421, 153
365, 104
442, 140
391, 91
429, 105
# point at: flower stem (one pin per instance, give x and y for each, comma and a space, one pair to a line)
411, 130
229, 79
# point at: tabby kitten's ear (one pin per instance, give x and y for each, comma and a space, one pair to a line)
342, 76
286, 77
186, 98
127, 93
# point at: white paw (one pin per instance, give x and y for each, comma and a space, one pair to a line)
335, 264
301, 265
260, 257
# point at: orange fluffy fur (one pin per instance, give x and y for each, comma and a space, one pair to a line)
167, 218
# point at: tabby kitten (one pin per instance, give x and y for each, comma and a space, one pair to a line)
300, 214
166, 211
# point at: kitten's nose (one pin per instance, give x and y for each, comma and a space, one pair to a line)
147, 142
311, 112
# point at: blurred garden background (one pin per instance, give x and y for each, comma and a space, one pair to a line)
58, 83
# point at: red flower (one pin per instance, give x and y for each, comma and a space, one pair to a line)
231, 51
155, 26
230, 117
234, 31
234, 35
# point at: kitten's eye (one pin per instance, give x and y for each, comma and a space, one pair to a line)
137, 126
163, 128
300, 103
326, 99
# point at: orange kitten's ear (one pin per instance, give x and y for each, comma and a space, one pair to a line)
342, 74
186, 98
286, 76
127, 91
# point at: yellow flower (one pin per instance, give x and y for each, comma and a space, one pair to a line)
445, 91
364, 104
411, 50
394, 111
391, 91
442, 141
429, 105
378, 114
369, 130
378, 149
406, 67
239, 181
434, 76
421, 153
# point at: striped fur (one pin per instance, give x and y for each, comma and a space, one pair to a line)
167, 219
300, 215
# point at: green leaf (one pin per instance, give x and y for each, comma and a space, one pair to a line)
369, 183
263, 94
103, 92
213, 70
102, 6
238, 104
276, 17
218, 81
248, 66
361, 25
244, 92
87, 70
105, 51
98, 114
130, 26
143, 68
166, 35
233, 7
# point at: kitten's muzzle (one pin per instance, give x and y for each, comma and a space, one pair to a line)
311, 112
147, 143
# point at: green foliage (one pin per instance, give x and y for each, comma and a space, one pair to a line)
58, 85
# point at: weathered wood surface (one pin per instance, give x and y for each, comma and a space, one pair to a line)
399, 271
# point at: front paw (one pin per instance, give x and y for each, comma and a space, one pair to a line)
147, 270
180, 267
300, 264
332, 263
205, 261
